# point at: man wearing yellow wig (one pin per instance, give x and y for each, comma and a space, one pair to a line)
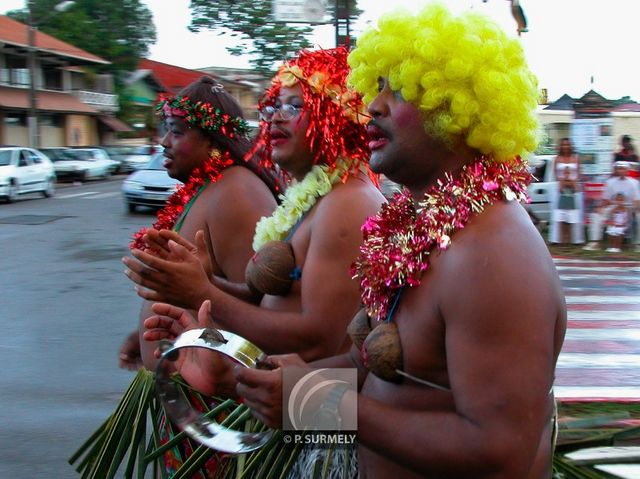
464, 313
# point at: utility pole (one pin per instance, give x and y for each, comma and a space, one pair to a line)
32, 122
342, 22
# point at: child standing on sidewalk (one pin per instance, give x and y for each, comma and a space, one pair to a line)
618, 222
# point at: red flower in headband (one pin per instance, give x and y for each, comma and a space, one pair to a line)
202, 115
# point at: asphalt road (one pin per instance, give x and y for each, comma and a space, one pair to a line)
65, 307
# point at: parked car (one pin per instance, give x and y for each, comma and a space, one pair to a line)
140, 157
118, 153
55, 153
149, 186
81, 164
542, 187
25, 170
99, 153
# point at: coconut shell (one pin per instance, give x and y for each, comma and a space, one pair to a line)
359, 328
383, 351
269, 270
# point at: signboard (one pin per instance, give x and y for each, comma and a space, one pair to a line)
301, 11
592, 141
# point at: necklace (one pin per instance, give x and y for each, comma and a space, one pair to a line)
297, 200
179, 202
399, 239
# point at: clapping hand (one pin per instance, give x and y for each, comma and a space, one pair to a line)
173, 274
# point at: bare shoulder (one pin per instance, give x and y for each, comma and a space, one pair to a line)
242, 180
357, 196
339, 216
499, 255
240, 188
239, 197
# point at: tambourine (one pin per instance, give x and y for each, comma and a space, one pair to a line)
199, 427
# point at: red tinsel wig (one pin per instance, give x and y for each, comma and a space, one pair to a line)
337, 114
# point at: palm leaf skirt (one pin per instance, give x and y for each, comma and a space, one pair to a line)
130, 441
593, 424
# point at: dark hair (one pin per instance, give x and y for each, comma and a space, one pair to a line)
626, 138
207, 90
570, 145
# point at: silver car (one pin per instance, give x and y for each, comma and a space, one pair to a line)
149, 186
82, 164
139, 157
25, 170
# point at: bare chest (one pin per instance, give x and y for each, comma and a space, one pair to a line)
422, 338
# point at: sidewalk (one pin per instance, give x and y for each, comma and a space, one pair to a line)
575, 251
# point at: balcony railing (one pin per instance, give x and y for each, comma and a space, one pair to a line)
102, 101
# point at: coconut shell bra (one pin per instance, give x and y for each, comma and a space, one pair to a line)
397, 246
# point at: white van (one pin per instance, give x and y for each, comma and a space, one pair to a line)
542, 187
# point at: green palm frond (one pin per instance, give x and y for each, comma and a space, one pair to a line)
593, 424
129, 437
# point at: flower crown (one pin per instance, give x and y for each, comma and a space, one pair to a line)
202, 115
321, 82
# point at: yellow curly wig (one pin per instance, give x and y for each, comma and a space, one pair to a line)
463, 72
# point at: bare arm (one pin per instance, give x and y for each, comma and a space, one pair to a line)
329, 297
216, 215
239, 290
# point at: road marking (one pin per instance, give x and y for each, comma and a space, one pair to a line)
626, 269
600, 355
604, 392
603, 315
598, 361
104, 195
567, 277
609, 299
61, 197
587, 334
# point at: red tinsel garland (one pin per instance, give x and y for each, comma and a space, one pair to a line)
337, 114
399, 239
167, 217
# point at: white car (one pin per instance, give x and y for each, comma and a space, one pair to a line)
25, 170
140, 157
150, 186
542, 187
84, 164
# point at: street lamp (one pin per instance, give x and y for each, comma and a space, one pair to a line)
34, 127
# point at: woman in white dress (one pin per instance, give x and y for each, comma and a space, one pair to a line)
567, 209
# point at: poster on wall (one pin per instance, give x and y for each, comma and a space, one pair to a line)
593, 143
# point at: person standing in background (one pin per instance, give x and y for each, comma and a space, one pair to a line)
620, 182
567, 209
627, 153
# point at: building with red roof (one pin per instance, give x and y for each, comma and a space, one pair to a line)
153, 78
69, 110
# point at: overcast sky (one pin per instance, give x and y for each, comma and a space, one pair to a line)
569, 41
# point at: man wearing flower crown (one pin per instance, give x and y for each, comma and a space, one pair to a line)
464, 311
313, 128
205, 147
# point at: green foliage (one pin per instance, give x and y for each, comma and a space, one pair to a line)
251, 25
119, 31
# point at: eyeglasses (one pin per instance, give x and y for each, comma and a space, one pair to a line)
287, 112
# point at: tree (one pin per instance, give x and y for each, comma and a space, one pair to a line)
251, 23
119, 31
